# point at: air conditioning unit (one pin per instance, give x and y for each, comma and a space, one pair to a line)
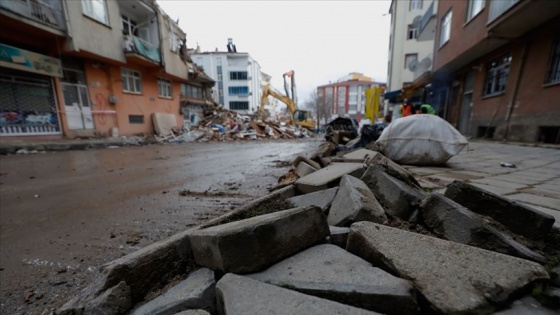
113, 99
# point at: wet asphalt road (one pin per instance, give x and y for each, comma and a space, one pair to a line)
64, 214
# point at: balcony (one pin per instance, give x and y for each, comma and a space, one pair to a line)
42, 11
141, 51
509, 19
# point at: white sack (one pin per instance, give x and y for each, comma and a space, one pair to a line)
420, 139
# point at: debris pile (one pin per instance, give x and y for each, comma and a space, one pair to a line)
348, 232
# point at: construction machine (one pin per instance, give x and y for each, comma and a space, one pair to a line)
298, 117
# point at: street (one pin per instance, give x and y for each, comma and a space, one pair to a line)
64, 214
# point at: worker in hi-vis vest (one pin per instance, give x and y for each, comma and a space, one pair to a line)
406, 108
424, 109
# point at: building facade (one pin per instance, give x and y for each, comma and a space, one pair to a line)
346, 97
90, 68
237, 76
497, 68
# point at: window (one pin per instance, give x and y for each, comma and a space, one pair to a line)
136, 119
412, 32
191, 91
128, 25
497, 75
238, 90
239, 105
553, 74
96, 9
174, 42
408, 59
475, 6
238, 75
415, 5
445, 28
131, 80
164, 88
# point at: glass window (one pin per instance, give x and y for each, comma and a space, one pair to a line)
497, 75
341, 99
191, 91
412, 32
164, 88
553, 74
235, 105
238, 75
128, 25
415, 5
131, 80
445, 28
408, 59
475, 6
96, 9
238, 90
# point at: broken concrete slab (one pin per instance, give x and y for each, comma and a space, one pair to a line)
193, 312
116, 300
354, 202
451, 221
321, 199
339, 235
253, 244
518, 218
452, 277
238, 295
392, 168
327, 177
304, 169
359, 154
270, 203
141, 271
326, 149
329, 272
310, 162
397, 198
195, 292
527, 305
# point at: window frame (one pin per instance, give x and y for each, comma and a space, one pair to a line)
447, 29
238, 90
191, 91
553, 62
495, 74
414, 31
238, 75
89, 11
470, 13
129, 73
238, 103
166, 86
406, 57
415, 5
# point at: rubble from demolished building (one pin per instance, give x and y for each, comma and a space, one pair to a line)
345, 232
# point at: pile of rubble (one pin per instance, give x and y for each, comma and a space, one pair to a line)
345, 234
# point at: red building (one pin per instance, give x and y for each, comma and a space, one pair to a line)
496, 68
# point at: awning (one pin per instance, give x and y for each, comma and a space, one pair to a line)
392, 94
421, 81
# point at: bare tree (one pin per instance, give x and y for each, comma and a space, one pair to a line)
321, 106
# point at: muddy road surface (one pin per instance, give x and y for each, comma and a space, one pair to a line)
64, 214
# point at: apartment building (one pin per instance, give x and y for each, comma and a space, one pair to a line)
497, 68
411, 43
346, 97
92, 68
237, 76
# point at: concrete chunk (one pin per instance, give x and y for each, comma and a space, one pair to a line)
354, 202
310, 162
451, 221
454, 278
195, 292
391, 168
242, 295
397, 198
253, 244
339, 235
359, 154
304, 169
328, 177
329, 272
519, 218
321, 199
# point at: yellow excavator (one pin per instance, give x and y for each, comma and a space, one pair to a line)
298, 117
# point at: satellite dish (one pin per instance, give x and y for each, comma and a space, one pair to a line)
426, 63
413, 65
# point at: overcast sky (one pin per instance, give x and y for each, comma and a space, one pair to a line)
321, 41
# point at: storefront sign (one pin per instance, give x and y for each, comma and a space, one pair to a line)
20, 59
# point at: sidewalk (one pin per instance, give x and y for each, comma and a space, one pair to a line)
14, 146
534, 181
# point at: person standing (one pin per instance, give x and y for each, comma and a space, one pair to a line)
424, 109
406, 108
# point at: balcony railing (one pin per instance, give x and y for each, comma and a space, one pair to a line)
141, 47
498, 7
427, 16
42, 11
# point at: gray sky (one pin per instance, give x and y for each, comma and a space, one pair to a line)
321, 41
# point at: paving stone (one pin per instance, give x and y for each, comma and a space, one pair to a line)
304, 169
195, 292
339, 235
442, 179
527, 305
518, 218
193, 312
328, 177
321, 199
253, 244
548, 202
243, 295
397, 198
116, 300
451, 221
392, 169
554, 213
310, 162
359, 154
498, 183
554, 194
452, 277
330, 272
353, 202
516, 179
500, 191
